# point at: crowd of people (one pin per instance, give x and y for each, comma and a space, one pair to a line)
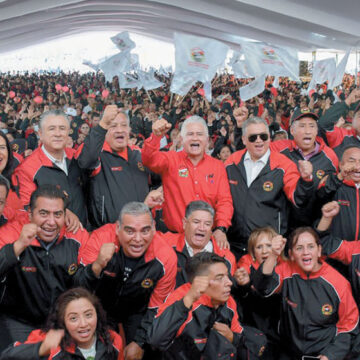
144, 225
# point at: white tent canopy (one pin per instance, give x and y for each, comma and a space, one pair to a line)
303, 24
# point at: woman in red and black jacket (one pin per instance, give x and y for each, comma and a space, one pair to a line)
76, 329
319, 315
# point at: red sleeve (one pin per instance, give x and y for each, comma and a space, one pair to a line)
336, 136
166, 284
89, 253
235, 323
26, 182
280, 145
245, 262
224, 205
117, 343
34, 337
346, 251
154, 159
82, 236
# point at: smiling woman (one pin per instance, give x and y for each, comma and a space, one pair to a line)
75, 329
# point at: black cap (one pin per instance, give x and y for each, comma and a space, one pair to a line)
301, 113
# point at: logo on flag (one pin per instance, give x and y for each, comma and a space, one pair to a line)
198, 55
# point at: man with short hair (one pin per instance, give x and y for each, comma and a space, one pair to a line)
197, 237
38, 261
135, 270
261, 181
199, 319
117, 175
189, 175
344, 188
54, 163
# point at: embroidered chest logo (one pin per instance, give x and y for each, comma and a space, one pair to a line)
200, 341
140, 166
116, 168
147, 283
210, 178
233, 182
268, 186
31, 269
292, 304
109, 273
184, 172
327, 309
320, 174
344, 202
72, 269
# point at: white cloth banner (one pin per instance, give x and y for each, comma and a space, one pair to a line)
115, 65
262, 58
123, 41
148, 80
324, 70
127, 81
340, 71
255, 88
91, 65
182, 83
276, 82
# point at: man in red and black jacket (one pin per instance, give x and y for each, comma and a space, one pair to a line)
196, 238
38, 261
117, 175
344, 188
135, 270
199, 319
54, 163
306, 145
261, 182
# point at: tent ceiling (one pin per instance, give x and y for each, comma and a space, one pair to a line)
303, 24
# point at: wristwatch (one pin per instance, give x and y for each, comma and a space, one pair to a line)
221, 228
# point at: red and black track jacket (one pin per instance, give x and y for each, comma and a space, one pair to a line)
115, 178
183, 182
264, 203
187, 333
143, 292
29, 350
177, 241
37, 169
33, 282
346, 225
324, 162
318, 314
348, 252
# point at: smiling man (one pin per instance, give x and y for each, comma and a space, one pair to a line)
189, 175
196, 237
132, 270
117, 175
54, 163
38, 262
261, 181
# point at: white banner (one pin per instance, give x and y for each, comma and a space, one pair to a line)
91, 65
127, 81
123, 41
340, 71
148, 80
115, 65
255, 88
262, 58
182, 83
324, 70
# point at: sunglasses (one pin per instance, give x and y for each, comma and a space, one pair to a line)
263, 137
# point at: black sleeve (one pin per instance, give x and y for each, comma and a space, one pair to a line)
332, 115
164, 328
93, 144
304, 192
86, 278
339, 347
22, 352
265, 285
239, 145
327, 191
140, 336
7, 259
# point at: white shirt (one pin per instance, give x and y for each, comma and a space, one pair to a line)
89, 353
208, 248
60, 164
253, 168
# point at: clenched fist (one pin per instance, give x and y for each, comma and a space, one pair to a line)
106, 253
305, 170
27, 235
160, 127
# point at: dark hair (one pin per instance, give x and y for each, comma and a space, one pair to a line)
294, 236
56, 319
348, 147
198, 205
5, 182
199, 264
10, 165
48, 191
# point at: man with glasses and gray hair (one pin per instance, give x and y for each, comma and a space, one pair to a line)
261, 181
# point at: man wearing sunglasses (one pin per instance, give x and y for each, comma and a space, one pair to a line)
261, 181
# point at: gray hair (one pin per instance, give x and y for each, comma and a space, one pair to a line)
49, 113
135, 208
254, 120
195, 119
198, 205
123, 113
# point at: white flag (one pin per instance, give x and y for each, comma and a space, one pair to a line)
90, 64
262, 58
148, 81
182, 83
207, 91
311, 86
340, 71
123, 41
255, 88
324, 70
128, 81
276, 82
115, 65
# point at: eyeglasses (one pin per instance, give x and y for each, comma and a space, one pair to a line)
263, 137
